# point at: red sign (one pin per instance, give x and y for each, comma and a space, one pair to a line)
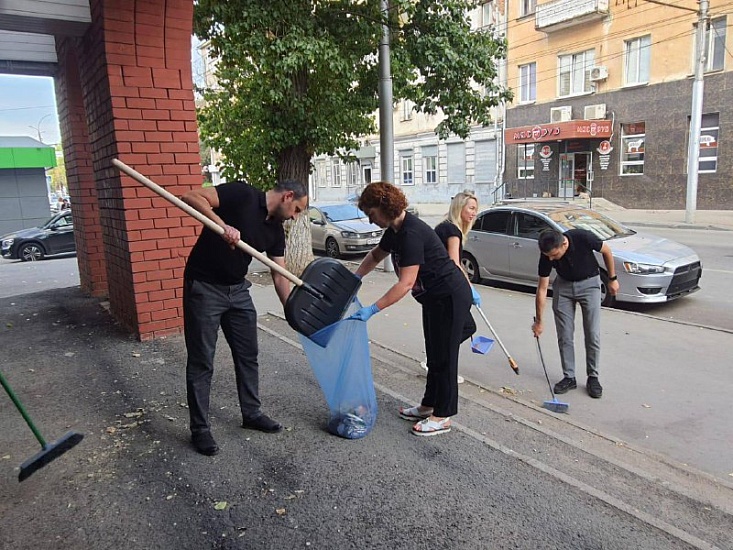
575, 129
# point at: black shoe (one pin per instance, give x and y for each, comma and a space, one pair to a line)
565, 384
263, 423
594, 387
204, 443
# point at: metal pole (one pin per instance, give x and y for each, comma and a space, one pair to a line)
386, 131
693, 150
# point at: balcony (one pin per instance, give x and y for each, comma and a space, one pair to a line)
560, 14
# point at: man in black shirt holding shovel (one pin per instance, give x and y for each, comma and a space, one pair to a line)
216, 293
578, 282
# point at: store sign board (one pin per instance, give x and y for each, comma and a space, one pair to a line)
574, 129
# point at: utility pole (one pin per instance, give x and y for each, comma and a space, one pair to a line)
693, 151
386, 131
37, 127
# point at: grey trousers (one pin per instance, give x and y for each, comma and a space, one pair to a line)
206, 307
565, 296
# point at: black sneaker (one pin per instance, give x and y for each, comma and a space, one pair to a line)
262, 423
204, 443
594, 387
565, 384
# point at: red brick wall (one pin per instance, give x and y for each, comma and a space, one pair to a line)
135, 67
79, 173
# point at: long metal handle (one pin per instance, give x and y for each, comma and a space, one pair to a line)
211, 224
512, 362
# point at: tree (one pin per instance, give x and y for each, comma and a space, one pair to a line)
297, 78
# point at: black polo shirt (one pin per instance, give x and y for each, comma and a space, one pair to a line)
417, 244
578, 262
242, 206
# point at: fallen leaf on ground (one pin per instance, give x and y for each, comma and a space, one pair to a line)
280, 511
221, 505
646, 406
509, 391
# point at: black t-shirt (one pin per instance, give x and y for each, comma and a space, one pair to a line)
417, 244
578, 262
447, 229
242, 206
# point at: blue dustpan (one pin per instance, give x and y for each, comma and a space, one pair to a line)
481, 344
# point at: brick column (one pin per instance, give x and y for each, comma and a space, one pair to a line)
79, 173
135, 66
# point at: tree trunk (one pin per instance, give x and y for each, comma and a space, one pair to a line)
294, 163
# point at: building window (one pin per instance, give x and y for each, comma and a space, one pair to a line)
715, 45
336, 181
525, 161
574, 77
407, 171
637, 60
527, 7
487, 15
352, 174
633, 136
456, 162
708, 162
407, 110
528, 82
320, 175
430, 164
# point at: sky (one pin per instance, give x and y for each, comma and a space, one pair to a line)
28, 108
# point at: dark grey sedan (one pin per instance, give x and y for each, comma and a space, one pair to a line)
503, 246
56, 236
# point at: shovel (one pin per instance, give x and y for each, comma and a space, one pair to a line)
49, 451
319, 299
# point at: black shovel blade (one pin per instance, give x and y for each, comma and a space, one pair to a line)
50, 452
328, 290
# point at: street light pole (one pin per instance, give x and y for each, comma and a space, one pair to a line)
37, 127
693, 150
386, 131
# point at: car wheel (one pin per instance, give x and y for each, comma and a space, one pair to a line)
606, 299
31, 252
471, 267
332, 248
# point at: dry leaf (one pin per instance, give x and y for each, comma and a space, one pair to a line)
280, 511
221, 505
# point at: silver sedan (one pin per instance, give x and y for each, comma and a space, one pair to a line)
341, 228
503, 246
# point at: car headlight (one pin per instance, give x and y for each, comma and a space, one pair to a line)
349, 235
7, 243
643, 269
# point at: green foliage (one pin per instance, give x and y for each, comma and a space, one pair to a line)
298, 78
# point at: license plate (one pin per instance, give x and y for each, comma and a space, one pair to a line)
372, 241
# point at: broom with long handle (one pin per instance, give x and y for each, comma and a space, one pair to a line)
49, 451
512, 362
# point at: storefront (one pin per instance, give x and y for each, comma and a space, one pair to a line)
558, 159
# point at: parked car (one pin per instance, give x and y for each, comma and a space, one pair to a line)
341, 228
56, 236
503, 246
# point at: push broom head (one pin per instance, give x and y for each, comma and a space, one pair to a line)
50, 452
556, 406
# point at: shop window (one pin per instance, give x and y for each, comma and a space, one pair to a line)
708, 162
528, 82
407, 169
633, 136
637, 60
525, 161
574, 73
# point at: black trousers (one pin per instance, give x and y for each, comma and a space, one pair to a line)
446, 322
206, 307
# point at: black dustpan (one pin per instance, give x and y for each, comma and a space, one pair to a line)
320, 298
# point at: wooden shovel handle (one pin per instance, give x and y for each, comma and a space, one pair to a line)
208, 222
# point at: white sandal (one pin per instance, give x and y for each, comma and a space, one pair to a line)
429, 427
413, 413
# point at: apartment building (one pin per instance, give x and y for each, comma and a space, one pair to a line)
603, 96
427, 169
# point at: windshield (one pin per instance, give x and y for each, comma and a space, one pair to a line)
341, 212
605, 228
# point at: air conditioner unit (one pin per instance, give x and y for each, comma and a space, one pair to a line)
593, 112
561, 114
598, 72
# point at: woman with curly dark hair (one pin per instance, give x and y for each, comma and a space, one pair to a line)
423, 266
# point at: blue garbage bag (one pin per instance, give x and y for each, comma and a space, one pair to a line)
339, 357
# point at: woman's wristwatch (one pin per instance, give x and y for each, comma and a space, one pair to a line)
614, 278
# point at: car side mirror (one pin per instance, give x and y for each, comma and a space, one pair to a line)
318, 222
